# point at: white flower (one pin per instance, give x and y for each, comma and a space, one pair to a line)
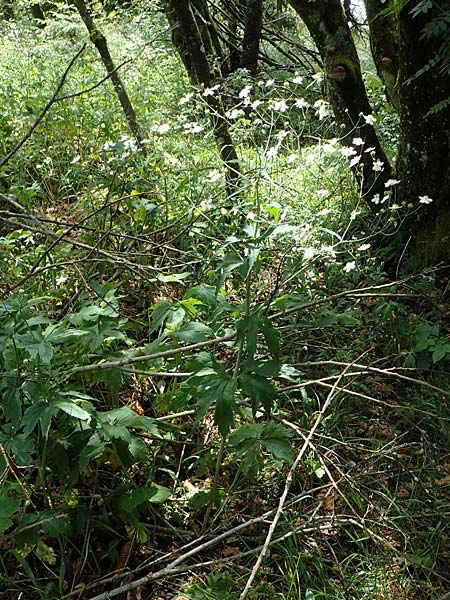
348, 151
355, 161
256, 103
210, 91
329, 250
163, 128
272, 152
281, 135
280, 105
236, 113
61, 279
364, 247
301, 103
350, 266
391, 182
269, 82
425, 200
358, 141
185, 99
377, 165
354, 214
297, 80
245, 91
317, 77
324, 212
369, 119
291, 159
251, 216
394, 207
214, 175
194, 127
109, 145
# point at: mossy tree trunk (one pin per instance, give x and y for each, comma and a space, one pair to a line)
423, 162
327, 25
385, 47
198, 46
99, 41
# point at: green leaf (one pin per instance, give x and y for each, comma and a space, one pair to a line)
160, 313
260, 390
42, 413
12, 405
218, 389
154, 493
194, 332
270, 335
74, 410
8, 506
247, 328
225, 408
55, 523
441, 350
138, 449
173, 277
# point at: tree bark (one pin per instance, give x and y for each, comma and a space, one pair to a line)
202, 73
423, 162
252, 36
385, 46
99, 40
327, 25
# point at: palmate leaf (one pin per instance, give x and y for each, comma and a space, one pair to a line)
217, 389
260, 390
8, 506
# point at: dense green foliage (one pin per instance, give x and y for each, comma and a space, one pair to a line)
167, 351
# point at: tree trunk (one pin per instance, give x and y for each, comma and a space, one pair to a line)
252, 36
423, 162
327, 25
99, 40
202, 73
385, 46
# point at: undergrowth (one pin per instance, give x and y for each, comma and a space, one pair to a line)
167, 357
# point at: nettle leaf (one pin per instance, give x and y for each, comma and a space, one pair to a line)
194, 332
260, 390
218, 389
270, 335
